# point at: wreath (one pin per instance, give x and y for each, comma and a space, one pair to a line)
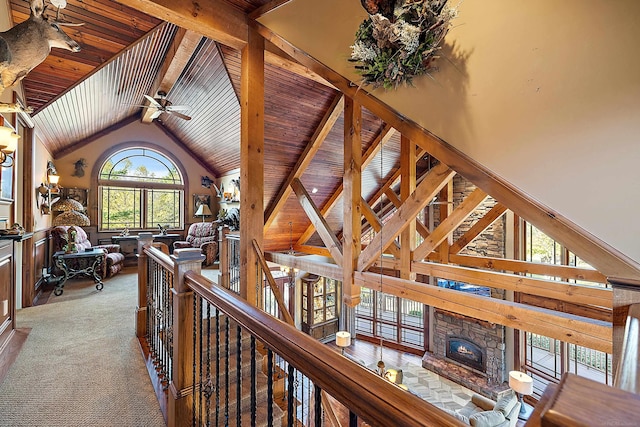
399, 40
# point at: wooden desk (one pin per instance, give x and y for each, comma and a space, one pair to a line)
95, 258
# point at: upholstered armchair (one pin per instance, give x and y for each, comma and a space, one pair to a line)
483, 412
114, 260
203, 235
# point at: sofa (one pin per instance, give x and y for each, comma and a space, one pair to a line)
114, 260
483, 412
202, 235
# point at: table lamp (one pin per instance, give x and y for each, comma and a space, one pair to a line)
343, 339
522, 384
203, 210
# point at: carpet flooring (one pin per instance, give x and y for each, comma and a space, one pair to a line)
81, 364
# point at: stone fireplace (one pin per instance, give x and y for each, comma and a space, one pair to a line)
469, 352
466, 352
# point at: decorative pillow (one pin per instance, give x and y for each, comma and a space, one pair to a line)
506, 403
456, 415
486, 418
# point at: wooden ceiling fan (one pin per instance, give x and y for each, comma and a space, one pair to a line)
163, 105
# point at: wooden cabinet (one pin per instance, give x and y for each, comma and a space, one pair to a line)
7, 292
320, 308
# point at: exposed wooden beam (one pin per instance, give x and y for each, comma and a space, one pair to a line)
313, 250
314, 144
282, 308
407, 186
182, 48
435, 179
276, 57
376, 224
251, 162
446, 208
577, 330
267, 7
215, 19
324, 231
478, 228
578, 294
382, 138
446, 227
324, 269
594, 251
565, 272
351, 215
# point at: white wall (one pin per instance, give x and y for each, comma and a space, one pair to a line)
544, 93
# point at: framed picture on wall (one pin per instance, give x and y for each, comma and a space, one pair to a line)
201, 199
79, 194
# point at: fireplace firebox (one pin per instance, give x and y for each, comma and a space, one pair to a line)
466, 352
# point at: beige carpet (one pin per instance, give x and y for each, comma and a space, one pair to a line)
81, 364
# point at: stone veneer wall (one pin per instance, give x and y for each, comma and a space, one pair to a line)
489, 336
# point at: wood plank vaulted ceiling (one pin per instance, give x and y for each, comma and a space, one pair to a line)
79, 96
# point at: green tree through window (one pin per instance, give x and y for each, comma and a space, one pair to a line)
140, 188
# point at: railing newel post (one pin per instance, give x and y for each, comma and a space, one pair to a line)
144, 239
181, 394
224, 256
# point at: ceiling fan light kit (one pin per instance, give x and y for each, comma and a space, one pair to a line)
163, 105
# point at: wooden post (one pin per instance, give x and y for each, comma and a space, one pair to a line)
144, 239
180, 391
407, 186
223, 245
352, 184
626, 292
251, 163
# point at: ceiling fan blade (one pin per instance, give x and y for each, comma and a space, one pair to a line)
156, 114
182, 116
153, 102
176, 108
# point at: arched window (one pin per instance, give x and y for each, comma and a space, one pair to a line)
139, 188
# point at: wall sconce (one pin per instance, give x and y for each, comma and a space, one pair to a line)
44, 191
8, 144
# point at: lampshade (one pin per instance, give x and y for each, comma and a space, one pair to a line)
64, 205
521, 382
8, 139
343, 339
203, 210
53, 179
72, 218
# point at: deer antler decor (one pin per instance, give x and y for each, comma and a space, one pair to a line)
399, 40
27, 44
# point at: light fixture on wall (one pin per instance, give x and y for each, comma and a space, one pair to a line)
203, 210
47, 188
8, 144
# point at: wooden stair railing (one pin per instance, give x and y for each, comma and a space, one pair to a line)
628, 370
371, 398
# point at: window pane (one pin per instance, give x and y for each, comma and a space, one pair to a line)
121, 208
163, 207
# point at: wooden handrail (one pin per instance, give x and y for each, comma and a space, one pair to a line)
374, 400
160, 257
282, 308
628, 372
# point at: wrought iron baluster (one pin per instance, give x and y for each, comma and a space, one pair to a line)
226, 371
238, 375
269, 388
217, 366
200, 373
208, 389
353, 419
317, 406
253, 382
194, 342
290, 396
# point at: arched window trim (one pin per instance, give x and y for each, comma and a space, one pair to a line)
95, 203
